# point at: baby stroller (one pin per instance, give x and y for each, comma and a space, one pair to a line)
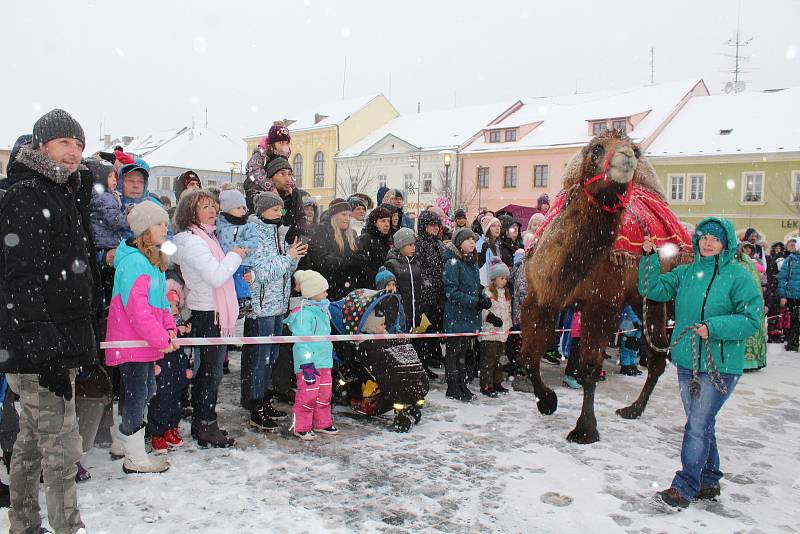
376, 376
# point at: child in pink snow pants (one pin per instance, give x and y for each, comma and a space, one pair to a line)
313, 361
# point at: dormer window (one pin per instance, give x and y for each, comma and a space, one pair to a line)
599, 127
620, 124
494, 136
511, 135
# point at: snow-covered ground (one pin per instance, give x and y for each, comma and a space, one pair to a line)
488, 466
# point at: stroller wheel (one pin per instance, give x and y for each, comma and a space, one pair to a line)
402, 422
415, 413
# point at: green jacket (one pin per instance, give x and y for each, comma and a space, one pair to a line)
713, 290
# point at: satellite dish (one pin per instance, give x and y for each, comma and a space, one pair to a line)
740, 85
728, 87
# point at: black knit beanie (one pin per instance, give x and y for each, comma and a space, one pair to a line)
56, 124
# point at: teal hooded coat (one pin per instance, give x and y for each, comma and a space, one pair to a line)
715, 291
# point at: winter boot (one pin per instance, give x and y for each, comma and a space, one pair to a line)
330, 431
707, 493
308, 435
462, 384
489, 392
210, 435
5, 496
173, 438
270, 410
136, 458
499, 388
453, 391
629, 370
159, 444
671, 498
570, 382
117, 452
259, 417
82, 475
431, 374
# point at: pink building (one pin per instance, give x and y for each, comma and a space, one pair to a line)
524, 155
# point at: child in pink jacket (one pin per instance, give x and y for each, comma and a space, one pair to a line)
140, 311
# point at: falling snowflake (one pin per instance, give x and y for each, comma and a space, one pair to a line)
730, 184
668, 250
46, 213
791, 53
200, 45
346, 32
169, 248
63, 274
119, 51
11, 240
99, 189
4, 355
78, 266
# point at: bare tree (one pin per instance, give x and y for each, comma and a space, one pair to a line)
356, 179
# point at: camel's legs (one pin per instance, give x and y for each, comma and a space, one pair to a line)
538, 331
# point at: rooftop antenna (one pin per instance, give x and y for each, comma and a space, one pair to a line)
652, 65
576, 86
419, 106
206, 116
737, 85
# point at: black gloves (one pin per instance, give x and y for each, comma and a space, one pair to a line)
484, 302
494, 320
55, 377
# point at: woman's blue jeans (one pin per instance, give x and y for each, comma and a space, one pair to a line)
699, 455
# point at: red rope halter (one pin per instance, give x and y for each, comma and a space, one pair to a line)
623, 199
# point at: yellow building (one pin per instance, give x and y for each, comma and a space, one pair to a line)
319, 133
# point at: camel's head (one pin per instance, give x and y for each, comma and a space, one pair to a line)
612, 153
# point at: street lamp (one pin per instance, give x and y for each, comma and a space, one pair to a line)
418, 160
447, 156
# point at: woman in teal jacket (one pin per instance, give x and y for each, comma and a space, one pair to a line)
716, 299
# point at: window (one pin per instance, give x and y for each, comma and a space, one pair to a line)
427, 182
212, 183
540, 174
753, 189
511, 135
509, 177
795, 186
297, 168
381, 180
697, 187
599, 127
483, 177
319, 170
621, 125
494, 136
677, 184
408, 183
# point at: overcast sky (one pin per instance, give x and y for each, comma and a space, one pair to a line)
150, 65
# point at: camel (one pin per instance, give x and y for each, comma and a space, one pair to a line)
574, 262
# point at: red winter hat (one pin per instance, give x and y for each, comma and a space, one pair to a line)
122, 157
278, 132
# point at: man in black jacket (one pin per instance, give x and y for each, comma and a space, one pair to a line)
47, 302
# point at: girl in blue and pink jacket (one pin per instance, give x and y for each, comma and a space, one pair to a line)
140, 311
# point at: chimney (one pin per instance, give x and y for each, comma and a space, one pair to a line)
106, 140
319, 118
126, 140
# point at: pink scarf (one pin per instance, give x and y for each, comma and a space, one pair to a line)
225, 304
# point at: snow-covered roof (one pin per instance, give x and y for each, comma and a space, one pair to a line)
200, 149
745, 123
334, 112
564, 119
433, 129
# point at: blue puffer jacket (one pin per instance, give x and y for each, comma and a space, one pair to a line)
237, 232
272, 271
462, 288
789, 278
108, 222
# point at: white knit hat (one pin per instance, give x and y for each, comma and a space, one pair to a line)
311, 283
145, 214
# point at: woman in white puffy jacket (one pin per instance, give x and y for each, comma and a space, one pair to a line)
211, 296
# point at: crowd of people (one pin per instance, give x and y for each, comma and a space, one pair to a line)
90, 254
